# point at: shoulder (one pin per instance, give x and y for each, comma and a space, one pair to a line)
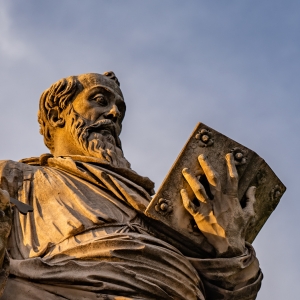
10, 166
13, 173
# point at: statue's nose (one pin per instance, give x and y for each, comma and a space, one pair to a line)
113, 114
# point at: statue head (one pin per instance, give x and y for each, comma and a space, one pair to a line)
82, 115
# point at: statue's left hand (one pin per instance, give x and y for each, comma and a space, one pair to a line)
222, 220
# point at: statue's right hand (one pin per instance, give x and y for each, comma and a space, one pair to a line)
5, 221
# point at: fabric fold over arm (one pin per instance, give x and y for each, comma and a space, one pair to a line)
236, 278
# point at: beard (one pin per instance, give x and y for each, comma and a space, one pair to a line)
99, 139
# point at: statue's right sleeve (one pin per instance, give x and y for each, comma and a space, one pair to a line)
236, 278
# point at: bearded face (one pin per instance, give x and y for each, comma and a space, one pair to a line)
99, 139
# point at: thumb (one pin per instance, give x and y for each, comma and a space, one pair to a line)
4, 199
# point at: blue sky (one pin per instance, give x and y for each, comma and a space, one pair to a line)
233, 65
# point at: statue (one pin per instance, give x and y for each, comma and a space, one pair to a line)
88, 237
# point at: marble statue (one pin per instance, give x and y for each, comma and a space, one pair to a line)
88, 237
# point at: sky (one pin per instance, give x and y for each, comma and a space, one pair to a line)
233, 65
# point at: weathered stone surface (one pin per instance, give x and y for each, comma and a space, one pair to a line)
88, 236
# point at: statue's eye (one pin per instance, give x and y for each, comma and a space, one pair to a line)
100, 99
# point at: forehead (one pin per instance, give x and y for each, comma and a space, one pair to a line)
92, 80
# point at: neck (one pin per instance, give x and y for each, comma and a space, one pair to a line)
64, 144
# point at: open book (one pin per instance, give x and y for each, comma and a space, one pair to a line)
166, 205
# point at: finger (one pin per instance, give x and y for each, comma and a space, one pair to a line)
196, 186
211, 175
250, 200
5, 214
187, 203
232, 172
4, 199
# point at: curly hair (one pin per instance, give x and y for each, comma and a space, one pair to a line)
60, 94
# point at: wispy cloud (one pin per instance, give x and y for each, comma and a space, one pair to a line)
10, 46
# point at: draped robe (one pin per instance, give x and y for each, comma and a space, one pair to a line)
87, 238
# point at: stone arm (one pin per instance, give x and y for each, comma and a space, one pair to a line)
5, 227
234, 273
235, 278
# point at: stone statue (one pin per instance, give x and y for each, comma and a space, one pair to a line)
88, 237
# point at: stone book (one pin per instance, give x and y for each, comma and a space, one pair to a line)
166, 205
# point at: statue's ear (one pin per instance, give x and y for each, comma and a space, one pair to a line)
55, 117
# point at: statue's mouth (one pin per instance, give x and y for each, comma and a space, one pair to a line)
104, 126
